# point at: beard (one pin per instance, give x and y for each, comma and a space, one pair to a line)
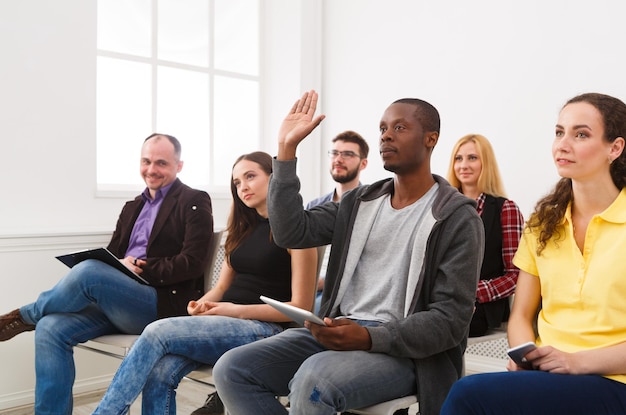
347, 177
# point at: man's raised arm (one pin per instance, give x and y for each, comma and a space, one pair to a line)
298, 123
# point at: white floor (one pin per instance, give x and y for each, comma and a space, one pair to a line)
190, 396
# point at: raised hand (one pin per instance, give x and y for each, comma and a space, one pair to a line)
298, 123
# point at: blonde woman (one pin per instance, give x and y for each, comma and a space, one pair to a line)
474, 172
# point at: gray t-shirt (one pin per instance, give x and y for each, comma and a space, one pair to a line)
377, 290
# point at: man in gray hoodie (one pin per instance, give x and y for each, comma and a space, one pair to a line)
400, 284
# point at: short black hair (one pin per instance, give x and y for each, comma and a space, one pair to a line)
427, 115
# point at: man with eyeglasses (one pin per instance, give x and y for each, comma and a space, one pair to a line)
347, 158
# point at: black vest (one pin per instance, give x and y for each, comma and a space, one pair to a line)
495, 311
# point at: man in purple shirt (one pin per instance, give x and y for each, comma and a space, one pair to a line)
163, 234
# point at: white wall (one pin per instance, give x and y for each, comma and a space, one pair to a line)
47, 114
499, 68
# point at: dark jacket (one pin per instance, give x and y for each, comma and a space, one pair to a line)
178, 247
440, 294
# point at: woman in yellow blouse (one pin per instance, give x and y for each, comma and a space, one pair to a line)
572, 281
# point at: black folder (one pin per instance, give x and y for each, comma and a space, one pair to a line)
101, 254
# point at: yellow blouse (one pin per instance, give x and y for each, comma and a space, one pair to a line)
583, 293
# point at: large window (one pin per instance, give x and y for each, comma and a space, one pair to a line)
186, 68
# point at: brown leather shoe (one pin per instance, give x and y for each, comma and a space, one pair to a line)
12, 324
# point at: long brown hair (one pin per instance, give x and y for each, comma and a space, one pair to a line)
550, 210
242, 219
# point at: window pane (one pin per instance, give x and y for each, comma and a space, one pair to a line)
184, 31
237, 36
124, 26
236, 132
124, 113
183, 111
178, 91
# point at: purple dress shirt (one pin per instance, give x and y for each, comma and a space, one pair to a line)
139, 237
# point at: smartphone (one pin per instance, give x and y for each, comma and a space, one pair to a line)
517, 354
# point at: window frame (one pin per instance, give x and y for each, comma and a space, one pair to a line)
217, 191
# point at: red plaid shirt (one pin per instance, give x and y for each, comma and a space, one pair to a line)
512, 226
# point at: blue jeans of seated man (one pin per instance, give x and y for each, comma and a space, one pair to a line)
318, 381
167, 350
535, 392
92, 300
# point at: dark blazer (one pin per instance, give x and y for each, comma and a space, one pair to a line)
178, 247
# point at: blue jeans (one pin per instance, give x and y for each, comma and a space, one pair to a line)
534, 392
93, 299
317, 380
167, 350
318, 302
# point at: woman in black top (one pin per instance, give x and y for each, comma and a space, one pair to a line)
231, 313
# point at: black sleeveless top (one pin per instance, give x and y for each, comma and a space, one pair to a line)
261, 268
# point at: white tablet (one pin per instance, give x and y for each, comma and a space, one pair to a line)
298, 315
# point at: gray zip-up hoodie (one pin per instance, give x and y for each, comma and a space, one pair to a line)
440, 293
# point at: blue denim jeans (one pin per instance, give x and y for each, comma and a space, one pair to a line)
93, 299
535, 392
317, 380
167, 350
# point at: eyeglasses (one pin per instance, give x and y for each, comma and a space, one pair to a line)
344, 154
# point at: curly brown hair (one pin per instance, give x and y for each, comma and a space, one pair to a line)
550, 210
